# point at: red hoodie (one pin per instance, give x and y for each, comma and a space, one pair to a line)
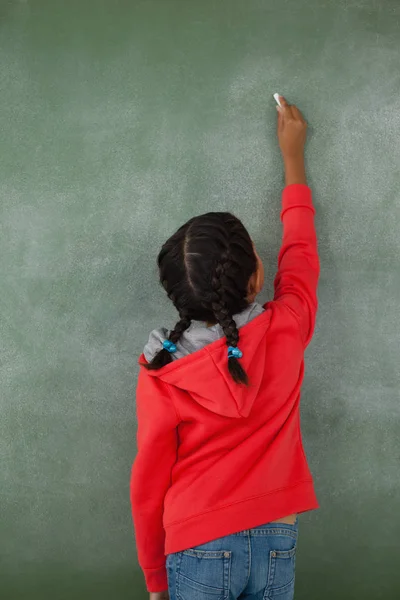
215, 457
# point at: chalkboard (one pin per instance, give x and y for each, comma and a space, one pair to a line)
119, 120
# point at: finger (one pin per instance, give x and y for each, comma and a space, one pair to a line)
297, 114
286, 109
283, 101
280, 118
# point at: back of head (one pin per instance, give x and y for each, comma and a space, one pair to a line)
205, 268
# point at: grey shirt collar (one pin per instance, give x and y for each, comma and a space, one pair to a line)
197, 335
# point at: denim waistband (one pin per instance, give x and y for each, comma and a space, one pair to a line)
272, 529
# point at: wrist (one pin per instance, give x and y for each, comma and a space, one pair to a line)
290, 160
295, 171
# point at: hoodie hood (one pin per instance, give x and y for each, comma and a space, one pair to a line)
200, 365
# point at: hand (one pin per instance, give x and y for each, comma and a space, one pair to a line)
292, 130
159, 595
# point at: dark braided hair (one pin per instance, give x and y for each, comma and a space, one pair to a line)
205, 268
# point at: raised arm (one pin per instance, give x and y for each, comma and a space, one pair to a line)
298, 264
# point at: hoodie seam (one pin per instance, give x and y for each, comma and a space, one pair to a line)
161, 567
178, 416
223, 507
290, 310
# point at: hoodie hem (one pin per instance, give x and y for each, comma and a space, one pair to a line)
240, 516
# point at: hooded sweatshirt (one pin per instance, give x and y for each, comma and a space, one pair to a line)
214, 457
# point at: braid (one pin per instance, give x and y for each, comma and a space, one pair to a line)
163, 357
180, 328
226, 320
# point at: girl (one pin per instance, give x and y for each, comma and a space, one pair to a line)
221, 472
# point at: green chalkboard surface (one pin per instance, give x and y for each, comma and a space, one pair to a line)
119, 120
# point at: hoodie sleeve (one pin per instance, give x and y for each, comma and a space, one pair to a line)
298, 263
151, 476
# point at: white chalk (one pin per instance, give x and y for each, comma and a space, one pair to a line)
277, 100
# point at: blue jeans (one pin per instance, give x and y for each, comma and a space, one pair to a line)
257, 564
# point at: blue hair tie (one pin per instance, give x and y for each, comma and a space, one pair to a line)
234, 352
170, 346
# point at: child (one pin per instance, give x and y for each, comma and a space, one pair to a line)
221, 473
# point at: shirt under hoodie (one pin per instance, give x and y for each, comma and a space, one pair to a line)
215, 457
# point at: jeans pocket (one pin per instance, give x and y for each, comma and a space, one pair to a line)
203, 575
281, 577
